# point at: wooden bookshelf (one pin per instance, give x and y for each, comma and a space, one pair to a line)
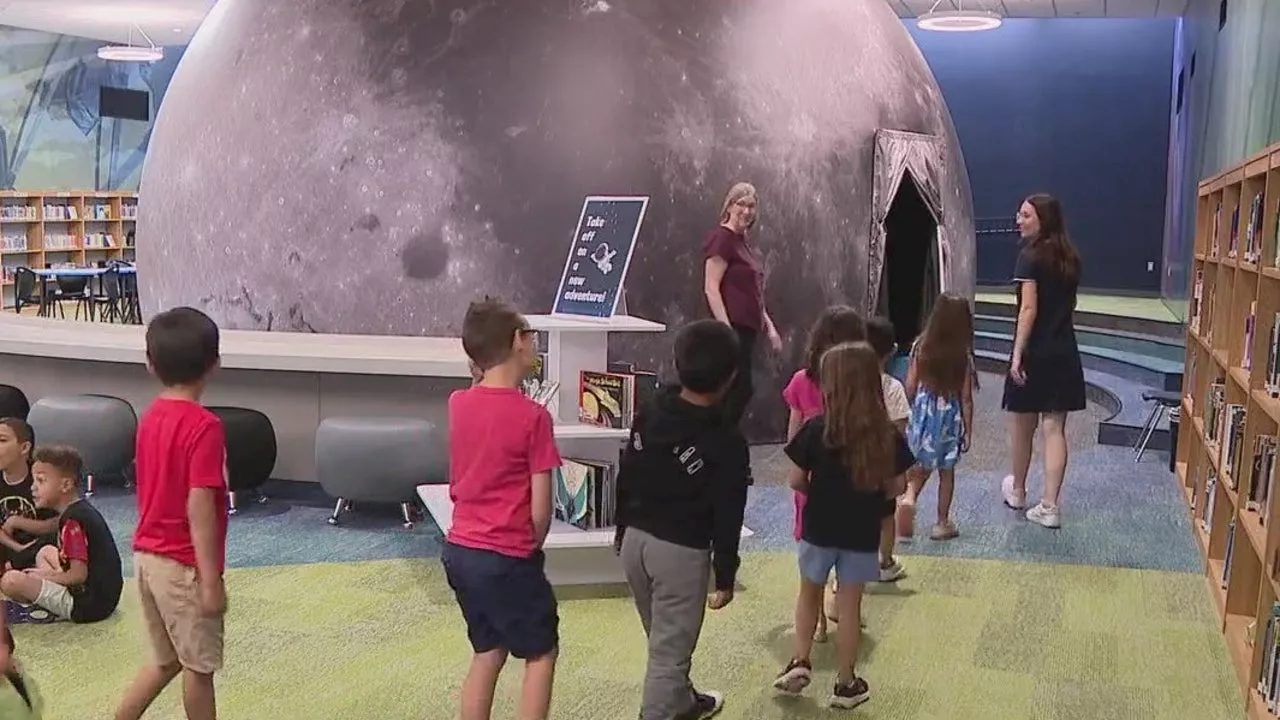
39, 230
1235, 275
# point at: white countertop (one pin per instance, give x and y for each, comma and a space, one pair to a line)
289, 352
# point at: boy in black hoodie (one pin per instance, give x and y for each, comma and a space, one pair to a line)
682, 490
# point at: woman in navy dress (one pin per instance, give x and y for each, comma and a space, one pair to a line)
1046, 379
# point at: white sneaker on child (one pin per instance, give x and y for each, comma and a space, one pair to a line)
1045, 516
1012, 498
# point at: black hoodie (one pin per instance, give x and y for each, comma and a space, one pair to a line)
683, 479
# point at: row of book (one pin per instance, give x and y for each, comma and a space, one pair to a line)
13, 243
1201, 310
585, 494
1252, 250
1268, 680
18, 212
609, 398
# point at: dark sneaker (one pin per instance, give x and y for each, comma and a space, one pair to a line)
705, 705
851, 695
795, 677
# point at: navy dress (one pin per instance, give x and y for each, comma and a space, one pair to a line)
1051, 362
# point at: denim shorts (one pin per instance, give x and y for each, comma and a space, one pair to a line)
506, 601
850, 566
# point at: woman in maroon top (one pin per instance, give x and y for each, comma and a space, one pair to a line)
734, 285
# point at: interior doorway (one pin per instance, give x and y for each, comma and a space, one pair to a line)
912, 277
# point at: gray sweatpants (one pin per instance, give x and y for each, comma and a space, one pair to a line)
669, 584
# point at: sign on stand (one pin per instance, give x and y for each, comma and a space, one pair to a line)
591, 285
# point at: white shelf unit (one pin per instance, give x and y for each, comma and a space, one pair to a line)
574, 556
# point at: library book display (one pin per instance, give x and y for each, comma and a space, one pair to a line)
1226, 465
63, 229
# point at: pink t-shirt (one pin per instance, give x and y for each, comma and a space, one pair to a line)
803, 394
498, 440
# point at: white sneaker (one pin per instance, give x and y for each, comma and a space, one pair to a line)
1045, 516
892, 573
1011, 497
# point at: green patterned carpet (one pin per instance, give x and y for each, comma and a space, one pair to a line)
957, 639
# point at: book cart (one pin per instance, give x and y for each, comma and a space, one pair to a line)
1231, 415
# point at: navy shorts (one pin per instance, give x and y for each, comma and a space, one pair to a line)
507, 602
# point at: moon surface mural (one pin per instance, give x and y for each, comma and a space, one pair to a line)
371, 166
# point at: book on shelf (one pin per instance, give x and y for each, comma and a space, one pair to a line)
1208, 500
1235, 232
1213, 410
612, 398
1217, 225
1272, 383
1197, 300
1246, 360
1207, 323
1229, 556
1269, 669
1230, 443
1261, 474
585, 493
1253, 231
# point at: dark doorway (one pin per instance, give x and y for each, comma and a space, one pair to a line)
911, 280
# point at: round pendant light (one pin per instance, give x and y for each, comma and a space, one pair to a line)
958, 20
130, 52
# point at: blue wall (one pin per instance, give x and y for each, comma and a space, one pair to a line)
1078, 108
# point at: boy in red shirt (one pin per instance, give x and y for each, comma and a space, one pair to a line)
502, 451
180, 542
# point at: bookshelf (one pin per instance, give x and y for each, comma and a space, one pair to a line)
1226, 458
42, 229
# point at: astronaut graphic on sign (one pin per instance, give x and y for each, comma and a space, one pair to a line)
603, 258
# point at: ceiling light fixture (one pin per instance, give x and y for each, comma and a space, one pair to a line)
958, 20
130, 52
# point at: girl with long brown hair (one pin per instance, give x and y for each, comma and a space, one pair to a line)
940, 382
1046, 377
849, 461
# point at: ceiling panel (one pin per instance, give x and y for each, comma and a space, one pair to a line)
167, 22
1029, 8
1081, 8
1132, 8
1172, 8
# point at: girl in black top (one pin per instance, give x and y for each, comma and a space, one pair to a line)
849, 461
1046, 378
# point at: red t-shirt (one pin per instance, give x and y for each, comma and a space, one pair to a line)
498, 439
181, 446
742, 287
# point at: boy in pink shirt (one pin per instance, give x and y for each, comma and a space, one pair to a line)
502, 452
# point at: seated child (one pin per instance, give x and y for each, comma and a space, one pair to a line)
850, 461
19, 697
80, 578
24, 528
681, 492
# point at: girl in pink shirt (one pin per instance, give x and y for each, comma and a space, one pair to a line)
837, 324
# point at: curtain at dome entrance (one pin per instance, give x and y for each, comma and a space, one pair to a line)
923, 156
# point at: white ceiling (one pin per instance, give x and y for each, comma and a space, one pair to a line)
173, 22
167, 22
1048, 8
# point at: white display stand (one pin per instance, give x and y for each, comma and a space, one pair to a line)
574, 556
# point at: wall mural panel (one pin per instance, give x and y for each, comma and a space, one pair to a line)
385, 162
51, 136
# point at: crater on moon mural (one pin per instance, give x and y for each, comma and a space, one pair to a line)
371, 166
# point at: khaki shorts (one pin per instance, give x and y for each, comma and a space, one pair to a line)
179, 632
56, 599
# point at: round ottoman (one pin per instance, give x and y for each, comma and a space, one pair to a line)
101, 427
251, 450
13, 402
378, 459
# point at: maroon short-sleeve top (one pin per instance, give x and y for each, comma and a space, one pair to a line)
742, 287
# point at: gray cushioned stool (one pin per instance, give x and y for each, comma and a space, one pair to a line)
377, 459
101, 427
13, 402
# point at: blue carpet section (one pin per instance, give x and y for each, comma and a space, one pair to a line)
1116, 513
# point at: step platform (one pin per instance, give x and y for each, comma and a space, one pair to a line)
573, 556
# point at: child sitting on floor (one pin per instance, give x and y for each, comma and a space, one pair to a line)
24, 528
80, 578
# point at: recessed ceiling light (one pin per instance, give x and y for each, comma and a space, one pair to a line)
958, 20
177, 30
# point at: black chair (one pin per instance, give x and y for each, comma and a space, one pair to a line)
251, 451
105, 305
25, 283
69, 288
1164, 401
13, 402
